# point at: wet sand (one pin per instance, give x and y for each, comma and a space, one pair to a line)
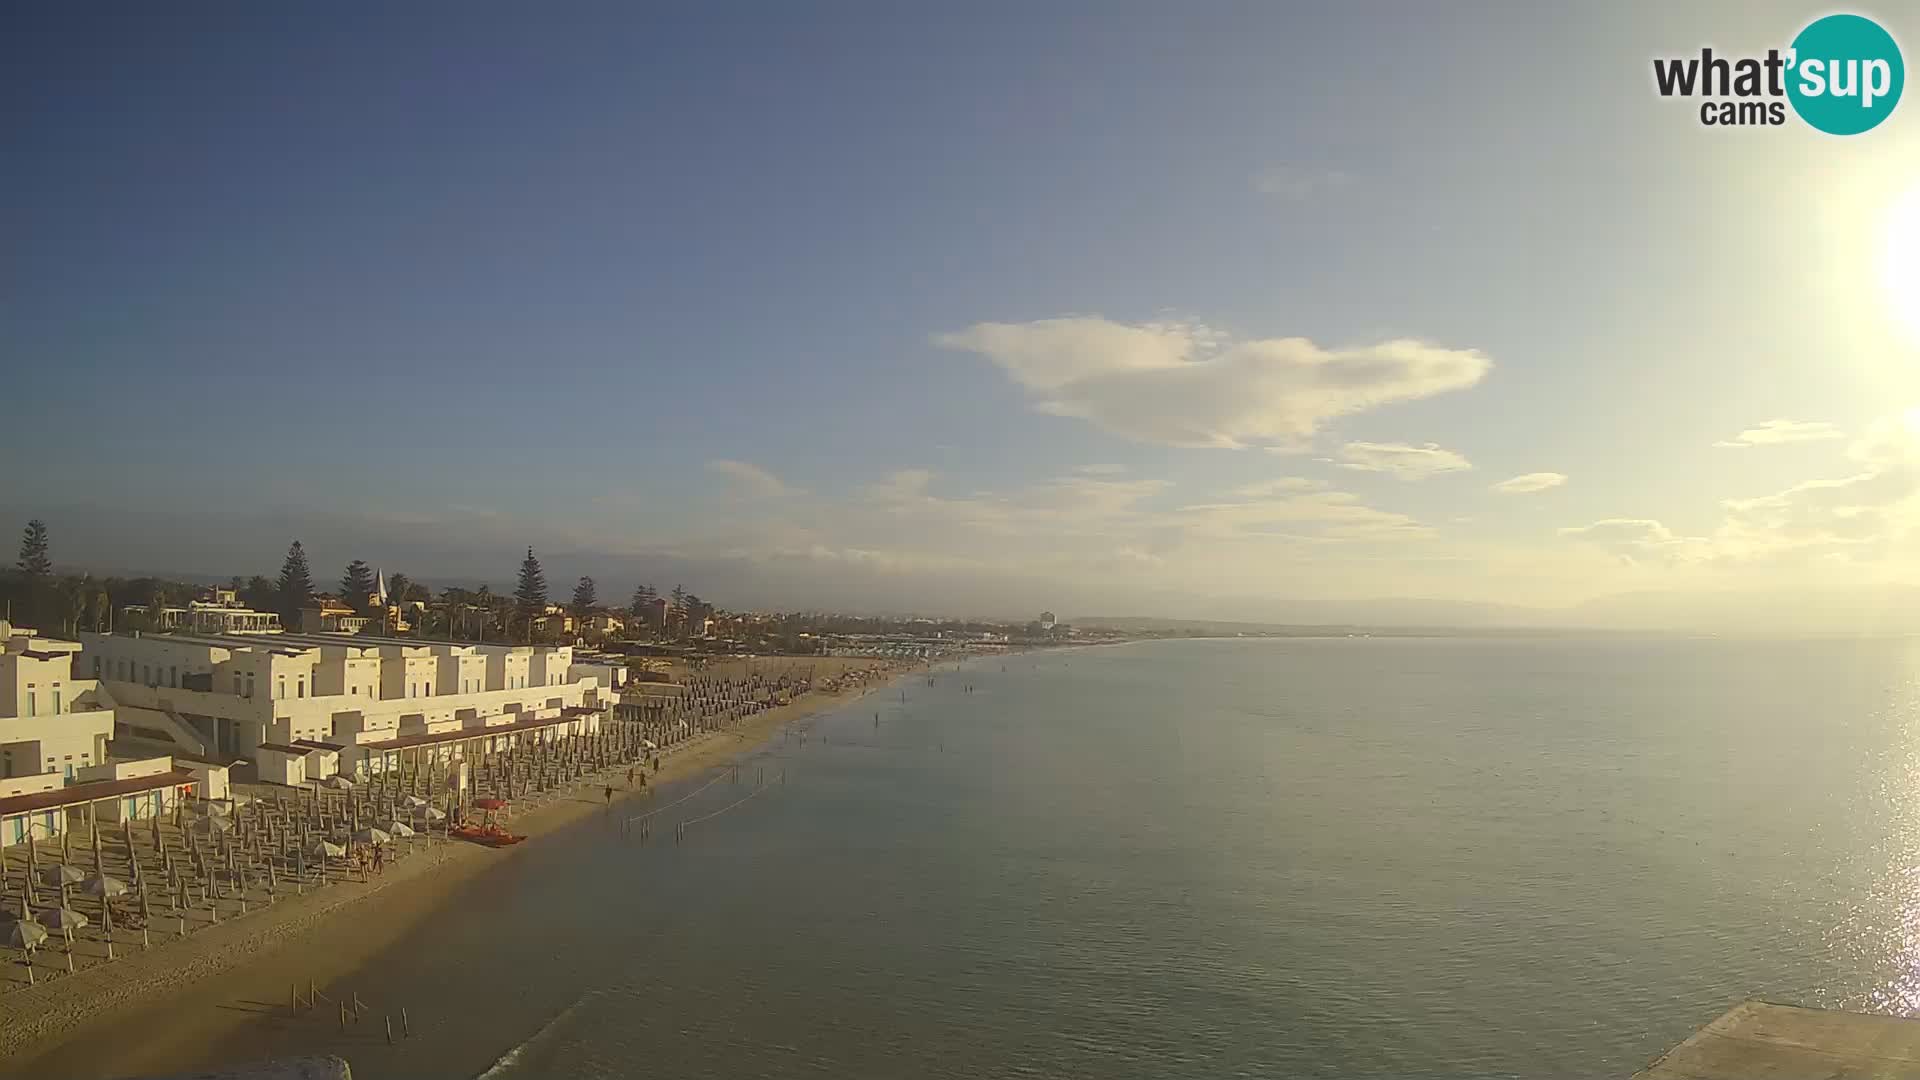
159, 1010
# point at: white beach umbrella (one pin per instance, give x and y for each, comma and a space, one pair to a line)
430, 813
373, 836
62, 918
213, 825
328, 850
100, 885
649, 744
61, 874
25, 934
338, 782
413, 800
400, 828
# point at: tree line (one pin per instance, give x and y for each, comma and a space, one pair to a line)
36, 596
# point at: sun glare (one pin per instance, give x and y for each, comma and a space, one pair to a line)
1900, 262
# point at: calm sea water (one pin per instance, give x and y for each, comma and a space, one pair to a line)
1358, 858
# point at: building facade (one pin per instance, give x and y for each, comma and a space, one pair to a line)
224, 695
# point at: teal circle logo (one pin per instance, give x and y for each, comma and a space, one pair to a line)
1845, 74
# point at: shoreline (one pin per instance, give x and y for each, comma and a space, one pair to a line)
163, 1007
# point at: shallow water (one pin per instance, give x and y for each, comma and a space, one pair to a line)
1356, 857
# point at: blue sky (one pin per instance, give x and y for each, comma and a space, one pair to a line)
425, 285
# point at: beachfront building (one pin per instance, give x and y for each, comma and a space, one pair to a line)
231, 695
205, 618
51, 724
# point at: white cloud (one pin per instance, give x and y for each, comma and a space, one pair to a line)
1779, 432
1100, 470
750, 479
1297, 182
1638, 540
1401, 460
1183, 384
1528, 483
1867, 511
1282, 486
1319, 515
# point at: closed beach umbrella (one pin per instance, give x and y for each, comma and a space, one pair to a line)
62, 918
103, 886
25, 934
61, 874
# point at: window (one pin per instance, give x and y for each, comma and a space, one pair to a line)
30, 700
56, 703
96, 667
301, 685
146, 674
173, 676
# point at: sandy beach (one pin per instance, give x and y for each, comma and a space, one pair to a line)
160, 1008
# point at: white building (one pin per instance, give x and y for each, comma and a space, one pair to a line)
51, 724
225, 695
204, 618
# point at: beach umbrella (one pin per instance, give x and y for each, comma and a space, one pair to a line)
649, 744
413, 801
61, 874
326, 849
213, 825
25, 934
103, 886
372, 835
62, 918
338, 782
430, 813
400, 828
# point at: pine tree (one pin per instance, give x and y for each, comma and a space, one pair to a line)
258, 593
679, 601
398, 585
34, 561
585, 596
639, 603
296, 585
530, 596
357, 583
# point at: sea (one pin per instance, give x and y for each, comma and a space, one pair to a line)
1345, 857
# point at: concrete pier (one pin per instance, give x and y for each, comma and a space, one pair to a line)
1758, 1040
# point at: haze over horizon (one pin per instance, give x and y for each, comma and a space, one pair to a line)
1287, 316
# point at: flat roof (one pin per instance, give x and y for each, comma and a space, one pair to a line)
406, 741
222, 763
92, 791
316, 744
1787, 1042
283, 748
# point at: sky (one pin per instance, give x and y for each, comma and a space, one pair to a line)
1254, 311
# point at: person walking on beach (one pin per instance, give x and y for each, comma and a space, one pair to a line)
379, 859
609, 796
629, 777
